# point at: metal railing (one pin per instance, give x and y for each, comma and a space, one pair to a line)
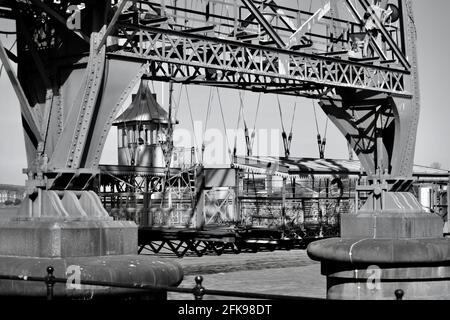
198, 291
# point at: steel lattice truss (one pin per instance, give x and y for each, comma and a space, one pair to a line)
190, 57
197, 53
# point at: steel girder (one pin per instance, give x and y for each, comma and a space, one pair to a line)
191, 55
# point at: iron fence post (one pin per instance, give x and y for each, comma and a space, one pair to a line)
50, 282
199, 290
399, 293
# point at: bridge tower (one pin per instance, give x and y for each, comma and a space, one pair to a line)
390, 243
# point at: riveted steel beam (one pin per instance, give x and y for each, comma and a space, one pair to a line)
222, 56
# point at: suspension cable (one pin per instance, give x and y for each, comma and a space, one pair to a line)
177, 103
321, 143
326, 127
283, 134
281, 113
208, 112
238, 123
246, 131
292, 128
293, 116
206, 122
224, 125
254, 124
315, 116
192, 123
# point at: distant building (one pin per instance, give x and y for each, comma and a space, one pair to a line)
11, 193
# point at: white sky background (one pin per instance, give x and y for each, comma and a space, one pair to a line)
434, 129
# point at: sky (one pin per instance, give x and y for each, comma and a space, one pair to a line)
434, 69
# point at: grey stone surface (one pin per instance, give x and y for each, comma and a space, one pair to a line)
126, 269
60, 238
290, 273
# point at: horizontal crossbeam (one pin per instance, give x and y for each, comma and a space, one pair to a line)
196, 55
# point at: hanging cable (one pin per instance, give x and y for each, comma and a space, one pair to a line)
247, 135
208, 112
254, 125
292, 128
281, 113
324, 141
206, 123
246, 131
177, 104
238, 123
321, 143
283, 134
224, 125
192, 123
